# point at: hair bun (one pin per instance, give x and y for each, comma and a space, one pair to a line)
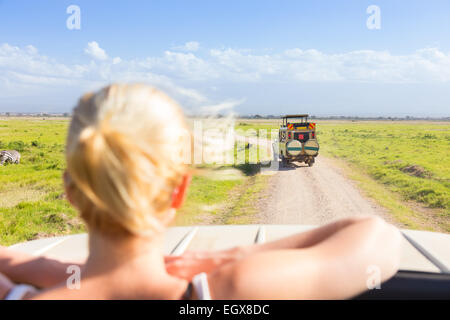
125, 155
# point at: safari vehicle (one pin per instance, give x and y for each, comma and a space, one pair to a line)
297, 140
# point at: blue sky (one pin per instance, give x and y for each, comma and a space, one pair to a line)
267, 57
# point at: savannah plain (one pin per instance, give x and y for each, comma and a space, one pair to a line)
400, 169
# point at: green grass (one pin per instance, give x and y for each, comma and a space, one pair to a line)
255, 125
393, 163
410, 159
32, 203
409, 162
244, 210
400, 212
206, 199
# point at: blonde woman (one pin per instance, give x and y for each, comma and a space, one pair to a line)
126, 175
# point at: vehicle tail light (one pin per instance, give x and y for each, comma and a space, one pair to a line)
289, 135
313, 134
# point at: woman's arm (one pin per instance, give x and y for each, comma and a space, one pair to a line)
41, 272
189, 264
44, 272
304, 239
335, 268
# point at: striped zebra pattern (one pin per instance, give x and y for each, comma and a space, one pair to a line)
11, 156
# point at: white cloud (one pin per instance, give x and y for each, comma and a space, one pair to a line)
24, 72
94, 51
225, 106
191, 93
31, 50
217, 75
28, 61
426, 65
188, 46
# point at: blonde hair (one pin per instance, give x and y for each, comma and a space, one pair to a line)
125, 156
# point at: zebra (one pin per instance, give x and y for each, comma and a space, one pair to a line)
11, 156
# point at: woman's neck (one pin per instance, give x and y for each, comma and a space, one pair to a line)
131, 263
109, 252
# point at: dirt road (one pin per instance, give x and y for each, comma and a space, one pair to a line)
317, 195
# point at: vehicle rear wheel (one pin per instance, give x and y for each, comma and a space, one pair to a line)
284, 161
310, 162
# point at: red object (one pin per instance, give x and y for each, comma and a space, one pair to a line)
300, 136
289, 135
313, 134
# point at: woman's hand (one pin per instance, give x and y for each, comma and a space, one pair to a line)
5, 286
189, 264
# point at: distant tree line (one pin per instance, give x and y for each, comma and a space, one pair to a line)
247, 116
34, 114
258, 116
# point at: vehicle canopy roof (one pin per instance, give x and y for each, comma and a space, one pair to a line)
296, 116
302, 117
